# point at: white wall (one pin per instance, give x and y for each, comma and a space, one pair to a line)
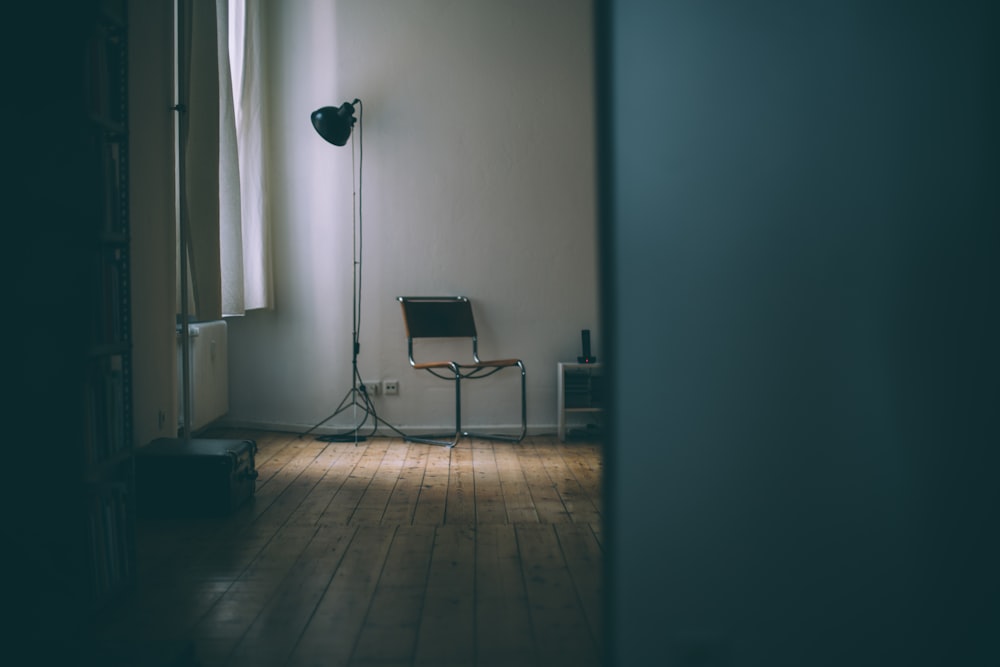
152, 219
478, 179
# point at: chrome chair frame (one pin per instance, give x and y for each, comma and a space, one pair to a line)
451, 317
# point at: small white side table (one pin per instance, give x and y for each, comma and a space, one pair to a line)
580, 390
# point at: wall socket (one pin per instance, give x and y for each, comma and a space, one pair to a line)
372, 388
390, 387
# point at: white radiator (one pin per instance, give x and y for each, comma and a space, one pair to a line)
209, 373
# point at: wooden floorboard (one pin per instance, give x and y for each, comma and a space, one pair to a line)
447, 625
383, 552
504, 635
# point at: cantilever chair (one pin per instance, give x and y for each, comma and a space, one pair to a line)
451, 317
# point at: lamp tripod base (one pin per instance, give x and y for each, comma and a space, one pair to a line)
358, 399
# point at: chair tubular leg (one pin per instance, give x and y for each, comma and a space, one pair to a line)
433, 441
458, 420
524, 418
459, 433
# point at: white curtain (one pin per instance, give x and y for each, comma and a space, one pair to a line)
244, 234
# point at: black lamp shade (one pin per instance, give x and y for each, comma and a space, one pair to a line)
334, 123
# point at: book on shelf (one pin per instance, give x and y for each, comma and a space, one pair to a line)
107, 312
96, 585
121, 507
104, 74
107, 537
113, 10
111, 172
104, 401
96, 75
111, 539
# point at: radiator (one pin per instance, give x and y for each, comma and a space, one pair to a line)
209, 373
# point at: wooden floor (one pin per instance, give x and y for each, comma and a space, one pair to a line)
385, 553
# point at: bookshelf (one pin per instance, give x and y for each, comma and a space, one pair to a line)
69, 532
107, 508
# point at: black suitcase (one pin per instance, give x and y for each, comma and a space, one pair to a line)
175, 477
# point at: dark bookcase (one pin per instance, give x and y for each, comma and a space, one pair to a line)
107, 468
69, 534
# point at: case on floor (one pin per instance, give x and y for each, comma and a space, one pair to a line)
175, 477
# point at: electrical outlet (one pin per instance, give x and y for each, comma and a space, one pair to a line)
390, 387
372, 388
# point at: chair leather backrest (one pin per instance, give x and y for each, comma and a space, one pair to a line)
438, 317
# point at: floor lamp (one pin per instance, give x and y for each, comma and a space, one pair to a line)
334, 124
